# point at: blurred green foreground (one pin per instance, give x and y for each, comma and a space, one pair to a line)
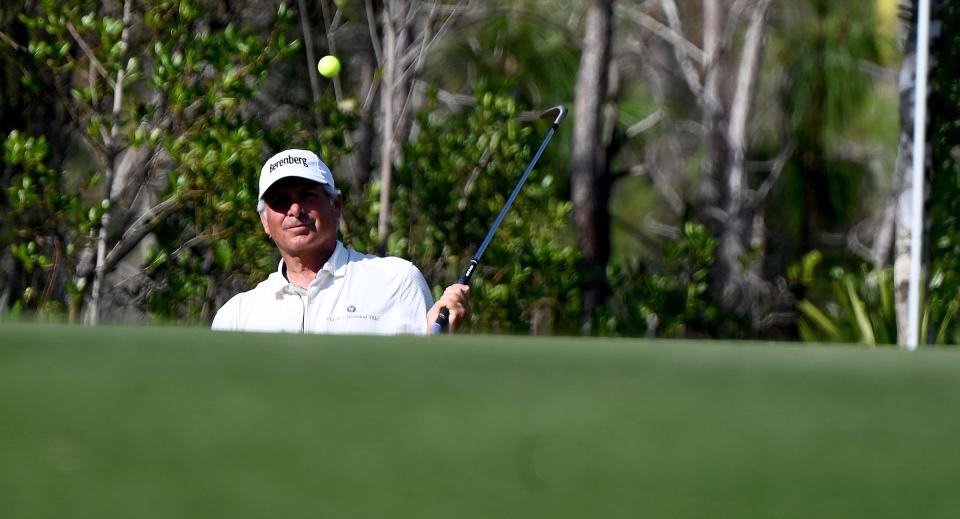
164, 422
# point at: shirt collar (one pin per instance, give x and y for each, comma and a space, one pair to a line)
335, 265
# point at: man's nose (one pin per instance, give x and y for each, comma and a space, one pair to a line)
295, 209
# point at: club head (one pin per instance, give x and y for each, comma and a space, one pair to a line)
555, 114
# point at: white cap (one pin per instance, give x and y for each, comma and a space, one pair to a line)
295, 163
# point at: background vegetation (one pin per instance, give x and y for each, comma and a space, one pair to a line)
729, 168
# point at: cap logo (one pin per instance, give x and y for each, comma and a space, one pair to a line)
289, 159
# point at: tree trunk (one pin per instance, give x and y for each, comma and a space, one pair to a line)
395, 85
364, 136
100, 265
387, 111
590, 186
734, 280
311, 64
711, 112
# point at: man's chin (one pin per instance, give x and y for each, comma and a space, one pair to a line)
306, 244
306, 241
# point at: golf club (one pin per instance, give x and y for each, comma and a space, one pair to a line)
557, 113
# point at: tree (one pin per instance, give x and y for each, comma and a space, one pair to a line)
590, 180
452, 182
166, 129
722, 84
408, 36
690, 139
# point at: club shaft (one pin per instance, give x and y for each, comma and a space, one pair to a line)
513, 196
444, 317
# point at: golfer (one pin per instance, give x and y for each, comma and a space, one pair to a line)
321, 286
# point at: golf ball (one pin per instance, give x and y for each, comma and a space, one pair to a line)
328, 66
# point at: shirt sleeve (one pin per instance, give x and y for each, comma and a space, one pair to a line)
227, 316
414, 302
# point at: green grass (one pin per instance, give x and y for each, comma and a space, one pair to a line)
167, 422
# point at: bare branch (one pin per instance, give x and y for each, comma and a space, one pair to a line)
101, 264
645, 124
330, 31
337, 18
426, 42
413, 61
710, 98
733, 15
778, 164
472, 179
90, 55
662, 229
388, 120
690, 74
417, 66
121, 75
200, 238
311, 63
372, 27
773, 319
9, 41
139, 229
371, 93
454, 13
196, 240
637, 232
858, 247
878, 72
670, 195
665, 33
740, 107
455, 101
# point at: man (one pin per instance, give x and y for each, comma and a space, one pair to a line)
321, 286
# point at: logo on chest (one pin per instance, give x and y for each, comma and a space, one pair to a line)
352, 314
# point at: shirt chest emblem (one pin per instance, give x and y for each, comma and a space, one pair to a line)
351, 313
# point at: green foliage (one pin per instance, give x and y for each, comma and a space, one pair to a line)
672, 301
821, 55
40, 217
851, 307
451, 184
944, 203
209, 79
193, 85
185, 95
858, 307
822, 83
505, 54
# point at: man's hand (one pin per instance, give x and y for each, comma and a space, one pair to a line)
456, 299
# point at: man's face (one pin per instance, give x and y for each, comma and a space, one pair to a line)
301, 217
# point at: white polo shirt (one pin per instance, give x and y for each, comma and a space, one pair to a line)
353, 293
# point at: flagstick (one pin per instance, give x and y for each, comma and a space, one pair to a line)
919, 147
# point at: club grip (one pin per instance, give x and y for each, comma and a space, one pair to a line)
468, 271
442, 321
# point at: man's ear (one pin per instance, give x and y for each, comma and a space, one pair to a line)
263, 222
337, 204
